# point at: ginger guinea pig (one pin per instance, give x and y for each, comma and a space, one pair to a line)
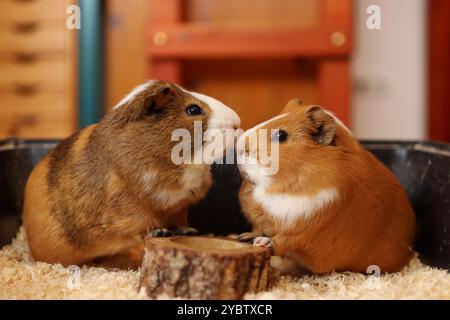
331, 205
98, 192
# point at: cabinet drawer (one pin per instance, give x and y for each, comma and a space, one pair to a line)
37, 100
34, 130
24, 10
52, 74
43, 115
32, 56
41, 39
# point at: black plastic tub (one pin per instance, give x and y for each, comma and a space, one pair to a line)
422, 167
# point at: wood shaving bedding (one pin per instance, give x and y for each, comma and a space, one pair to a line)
22, 278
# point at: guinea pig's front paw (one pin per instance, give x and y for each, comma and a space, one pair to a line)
156, 233
248, 236
264, 242
185, 231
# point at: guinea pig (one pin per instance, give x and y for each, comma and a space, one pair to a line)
101, 190
330, 205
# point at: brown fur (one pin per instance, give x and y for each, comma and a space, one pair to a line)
86, 199
370, 223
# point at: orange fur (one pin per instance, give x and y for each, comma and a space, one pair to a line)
371, 221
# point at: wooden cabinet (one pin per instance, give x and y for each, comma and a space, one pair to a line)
126, 62
255, 55
37, 69
439, 70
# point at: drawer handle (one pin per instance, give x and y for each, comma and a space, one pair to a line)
26, 120
26, 27
25, 89
25, 57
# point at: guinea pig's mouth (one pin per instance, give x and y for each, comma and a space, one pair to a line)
255, 172
245, 169
223, 140
245, 175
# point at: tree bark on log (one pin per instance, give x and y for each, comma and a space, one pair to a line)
203, 268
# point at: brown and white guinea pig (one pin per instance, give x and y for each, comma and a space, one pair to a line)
99, 191
332, 206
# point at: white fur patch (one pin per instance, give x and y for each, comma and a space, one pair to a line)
241, 144
217, 133
255, 172
262, 124
288, 208
194, 176
222, 116
169, 198
248, 163
339, 122
147, 180
192, 179
135, 92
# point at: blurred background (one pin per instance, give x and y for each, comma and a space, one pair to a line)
391, 82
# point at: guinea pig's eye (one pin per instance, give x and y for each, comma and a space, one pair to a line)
280, 136
194, 110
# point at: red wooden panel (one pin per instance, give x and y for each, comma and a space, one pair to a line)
202, 41
335, 87
439, 70
166, 69
165, 12
334, 74
337, 13
330, 41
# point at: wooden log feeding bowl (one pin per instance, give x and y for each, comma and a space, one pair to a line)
203, 268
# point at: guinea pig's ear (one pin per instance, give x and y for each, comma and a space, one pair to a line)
292, 105
155, 104
323, 123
